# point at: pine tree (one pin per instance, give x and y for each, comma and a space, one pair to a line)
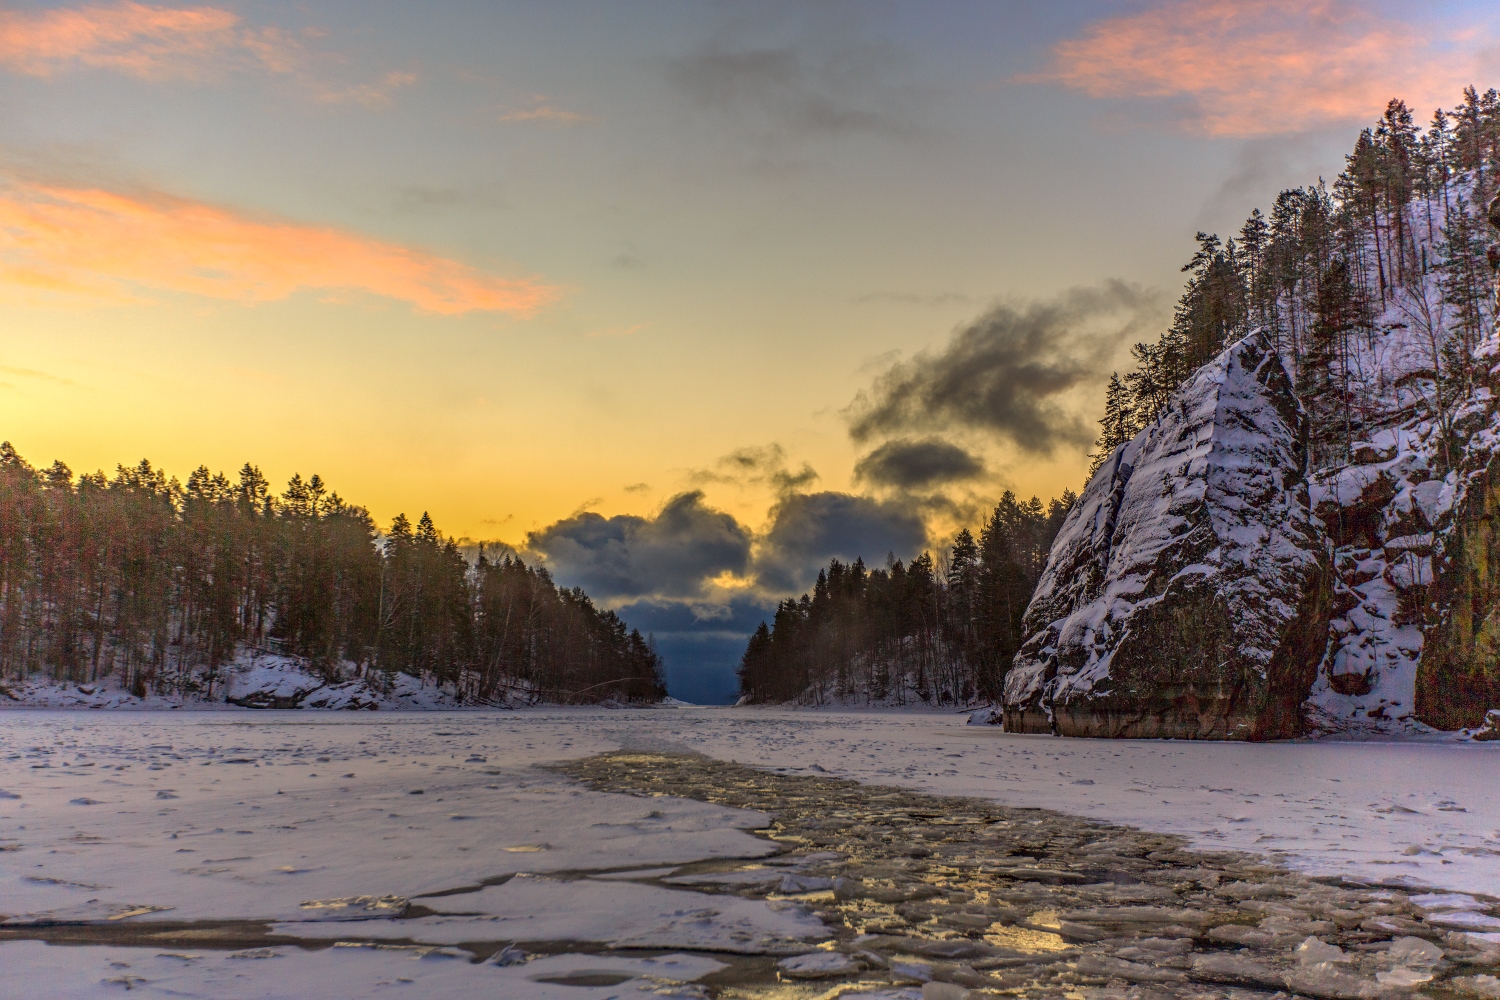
1118, 424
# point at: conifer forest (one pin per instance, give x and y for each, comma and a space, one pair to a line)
1397, 242
164, 584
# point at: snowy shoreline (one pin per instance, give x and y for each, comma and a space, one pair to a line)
260, 681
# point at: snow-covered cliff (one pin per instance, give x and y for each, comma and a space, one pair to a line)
1186, 595
1208, 584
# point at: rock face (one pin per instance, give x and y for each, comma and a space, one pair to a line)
1381, 513
1187, 594
1411, 523
1458, 678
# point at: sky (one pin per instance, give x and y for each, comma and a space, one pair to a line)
680, 299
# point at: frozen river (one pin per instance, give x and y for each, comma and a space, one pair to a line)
232, 828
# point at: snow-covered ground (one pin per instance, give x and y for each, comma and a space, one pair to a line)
306, 821
252, 680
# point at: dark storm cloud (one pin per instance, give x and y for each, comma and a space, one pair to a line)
736, 617
1006, 372
808, 529
701, 645
672, 554
914, 465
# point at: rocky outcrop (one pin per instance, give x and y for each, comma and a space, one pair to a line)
1187, 594
1209, 583
1406, 527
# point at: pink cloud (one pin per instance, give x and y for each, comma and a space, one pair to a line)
133, 38
370, 95
105, 245
160, 43
545, 112
1256, 67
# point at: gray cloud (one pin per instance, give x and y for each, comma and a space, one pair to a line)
821, 81
916, 298
629, 257
917, 464
1008, 371
673, 554
757, 464
754, 458
808, 529
1262, 168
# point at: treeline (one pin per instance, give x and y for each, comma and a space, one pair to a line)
941, 633
165, 583
1398, 243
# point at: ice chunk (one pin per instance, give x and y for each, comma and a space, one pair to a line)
1312, 951
1414, 951
817, 965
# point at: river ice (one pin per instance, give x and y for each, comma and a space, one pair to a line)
310, 824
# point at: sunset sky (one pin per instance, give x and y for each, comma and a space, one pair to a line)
682, 298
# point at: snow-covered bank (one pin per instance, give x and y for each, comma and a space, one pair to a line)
252, 680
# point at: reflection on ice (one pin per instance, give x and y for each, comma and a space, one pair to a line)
358, 907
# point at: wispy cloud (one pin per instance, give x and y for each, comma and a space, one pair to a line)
159, 43
369, 95
823, 85
105, 244
760, 465
133, 38
32, 373
908, 464
916, 298
543, 112
141, 40
1259, 67
618, 331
